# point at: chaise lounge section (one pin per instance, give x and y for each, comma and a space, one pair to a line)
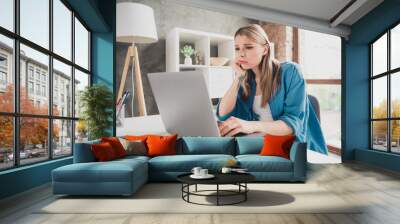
88, 177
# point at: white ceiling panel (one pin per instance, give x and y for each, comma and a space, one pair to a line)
320, 9
315, 15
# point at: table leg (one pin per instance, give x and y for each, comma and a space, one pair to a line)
245, 193
217, 194
188, 190
182, 188
196, 188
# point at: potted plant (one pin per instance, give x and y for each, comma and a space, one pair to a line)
187, 51
96, 102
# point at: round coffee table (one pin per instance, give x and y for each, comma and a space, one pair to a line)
238, 179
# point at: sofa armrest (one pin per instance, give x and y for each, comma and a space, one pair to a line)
298, 155
83, 152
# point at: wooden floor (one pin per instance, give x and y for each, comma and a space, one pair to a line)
378, 188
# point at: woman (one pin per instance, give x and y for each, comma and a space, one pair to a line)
266, 96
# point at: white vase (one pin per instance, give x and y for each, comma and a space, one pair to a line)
188, 61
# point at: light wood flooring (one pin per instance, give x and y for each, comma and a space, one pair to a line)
378, 188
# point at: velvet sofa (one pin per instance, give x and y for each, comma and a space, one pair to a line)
125, 176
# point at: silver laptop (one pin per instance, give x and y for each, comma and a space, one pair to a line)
184, 103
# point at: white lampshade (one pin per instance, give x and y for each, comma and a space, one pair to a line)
135, 23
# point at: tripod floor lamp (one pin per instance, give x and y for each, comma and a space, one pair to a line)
135, 24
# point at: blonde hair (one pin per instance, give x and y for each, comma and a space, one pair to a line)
269, 67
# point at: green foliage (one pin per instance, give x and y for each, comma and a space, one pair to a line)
96, 102
187, 50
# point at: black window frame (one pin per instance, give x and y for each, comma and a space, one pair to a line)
3, 68
388, 74
16, 115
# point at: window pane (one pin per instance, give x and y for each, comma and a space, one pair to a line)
379, 135
379, 97
81, 81
7, 14
62, 89
395, 47
312, 45
395, 129
6, 142
395, 94
34, 66
329, 98
81, 131
6, 74
62, 133
81, 45
35, 21
379, 55
33, 139
62, 29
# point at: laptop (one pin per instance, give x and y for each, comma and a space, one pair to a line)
184, 103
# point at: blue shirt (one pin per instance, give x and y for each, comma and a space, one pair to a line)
289, 104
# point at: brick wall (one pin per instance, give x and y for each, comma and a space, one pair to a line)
285, 39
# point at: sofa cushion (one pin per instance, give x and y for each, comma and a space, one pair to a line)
277, 145
257, 163
249, 145
206, 145
132, 158
116, 145
161, 145
111, 171
185, 163
103, 152
136, 137
134, 147
93, 172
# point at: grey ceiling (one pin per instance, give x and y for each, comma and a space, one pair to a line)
314, 15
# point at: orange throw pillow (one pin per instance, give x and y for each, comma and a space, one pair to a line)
103, 151
136, 137
277, 145
116, 145
161, 145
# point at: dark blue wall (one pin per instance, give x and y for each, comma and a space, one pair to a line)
356, 90
99, 15
103, 53
90, 11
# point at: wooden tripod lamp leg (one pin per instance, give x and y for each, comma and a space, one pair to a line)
139, 85
132, 53
128, 58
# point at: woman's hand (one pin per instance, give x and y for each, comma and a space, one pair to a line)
239, 71
233, 126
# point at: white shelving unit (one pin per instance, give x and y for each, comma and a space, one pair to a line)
218, 78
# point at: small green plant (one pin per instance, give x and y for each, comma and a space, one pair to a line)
187, 51
96, 102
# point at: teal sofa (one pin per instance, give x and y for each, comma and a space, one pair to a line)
125, 176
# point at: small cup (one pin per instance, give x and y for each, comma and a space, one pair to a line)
196, 170
226, 170
203, 172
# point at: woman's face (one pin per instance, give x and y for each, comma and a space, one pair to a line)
248, 52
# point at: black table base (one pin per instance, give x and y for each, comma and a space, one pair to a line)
241, 191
